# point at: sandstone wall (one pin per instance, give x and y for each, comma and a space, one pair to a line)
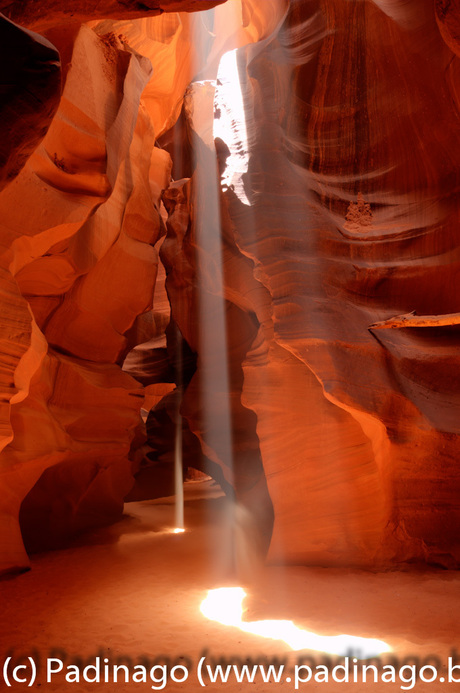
339, 184
79, 222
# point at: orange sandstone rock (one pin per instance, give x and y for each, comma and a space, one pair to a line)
78, 225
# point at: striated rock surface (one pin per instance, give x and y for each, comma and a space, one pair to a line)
78, 225
350, 215
339, 170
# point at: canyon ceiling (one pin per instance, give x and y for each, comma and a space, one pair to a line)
249, 218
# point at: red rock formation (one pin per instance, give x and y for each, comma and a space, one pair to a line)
336, 171
375, 420
344, 199
79, 224
87, 215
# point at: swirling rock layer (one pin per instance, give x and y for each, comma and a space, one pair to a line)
338, 168
78, 224
350, 215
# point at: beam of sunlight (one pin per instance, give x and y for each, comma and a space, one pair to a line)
145, 536
225, 605
178, 478
213, 421
178, 464
216, 436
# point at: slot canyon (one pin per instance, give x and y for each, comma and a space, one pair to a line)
229, 333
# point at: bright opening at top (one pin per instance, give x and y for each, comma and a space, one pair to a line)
230, 124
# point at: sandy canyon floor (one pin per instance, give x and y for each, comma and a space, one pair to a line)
131, 594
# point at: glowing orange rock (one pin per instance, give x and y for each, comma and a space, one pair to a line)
358, 430
78, 270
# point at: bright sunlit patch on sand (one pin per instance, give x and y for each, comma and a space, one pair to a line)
225, 605
140, 537
230, 124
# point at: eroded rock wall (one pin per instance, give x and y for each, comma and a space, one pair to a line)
350, 214
79, 224
339, 182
